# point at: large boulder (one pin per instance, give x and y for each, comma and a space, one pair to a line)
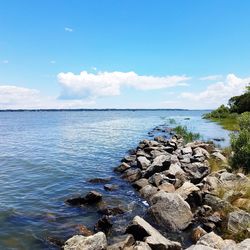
160, 163
139, 184
143, 231
197, 171
170, 211
238, 221
97, 241
200, 247
148, 191
122, 242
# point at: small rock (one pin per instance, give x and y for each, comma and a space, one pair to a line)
186, 150
123, 167
211, 240
103, 224
197, 233
238, 221
219, 156
143, 162
167, 187
122, 242
97, 241
132, 175
148, 191
111, 187
100, 180
186, 189
91, 198
140, 183
84, 230
112, 211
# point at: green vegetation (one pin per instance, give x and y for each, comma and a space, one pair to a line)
240, 144
187, 136
227, 116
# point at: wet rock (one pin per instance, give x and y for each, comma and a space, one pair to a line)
140, 183
148, 191
143, 162
111, 187
160, 163
186, 189
143, 154
170, 211
91, 198
112, 211
129, 159
104, 224
100, 180
55, 241
140, 245
122, 242
143, 231
83, 230
97, 241
167, 187
238, 221
197, 233
132, 175
123, 167
211, 240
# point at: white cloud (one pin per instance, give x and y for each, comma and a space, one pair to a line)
109, 83
52, 62
67, 29
210, 78
217, 93
13, 97
5, 61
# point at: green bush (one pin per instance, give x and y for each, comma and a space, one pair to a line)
240, 144
221, 112
187, 136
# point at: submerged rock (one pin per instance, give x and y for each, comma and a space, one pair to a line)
100, 180
97, 241
143, 231
103, 224
112, 211
111, 187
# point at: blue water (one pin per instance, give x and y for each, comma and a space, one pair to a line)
47, 157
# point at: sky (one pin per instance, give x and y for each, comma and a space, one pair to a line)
123, 53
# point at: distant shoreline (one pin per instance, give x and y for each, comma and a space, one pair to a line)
111, 109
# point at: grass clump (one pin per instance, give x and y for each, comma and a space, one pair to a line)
216, 165
187, 136
172, 121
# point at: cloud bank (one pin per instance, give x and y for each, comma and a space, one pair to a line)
110, 83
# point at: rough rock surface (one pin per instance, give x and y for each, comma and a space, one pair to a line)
97, 241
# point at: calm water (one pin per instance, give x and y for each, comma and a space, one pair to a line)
46, 157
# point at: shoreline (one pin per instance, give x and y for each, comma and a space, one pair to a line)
168, 174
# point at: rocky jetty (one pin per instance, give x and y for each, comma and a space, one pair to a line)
182, 194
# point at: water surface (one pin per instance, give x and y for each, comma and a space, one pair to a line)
46, 157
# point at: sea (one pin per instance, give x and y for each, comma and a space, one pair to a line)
47, 157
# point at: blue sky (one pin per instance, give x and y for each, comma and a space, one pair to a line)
135, 54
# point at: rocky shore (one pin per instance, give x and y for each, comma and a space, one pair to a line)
183, 197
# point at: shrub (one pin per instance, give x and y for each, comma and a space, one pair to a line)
187, 136
240, 144
221, 112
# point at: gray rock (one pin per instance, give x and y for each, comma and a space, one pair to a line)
170, 211
216, 203
200, 247
143, 162
211, 240
167, 187
97, 241
244, 245
160, 163
174, 169
219, 156
186, 189
148, 191
140, 245
140, 183
197, 171
187, 150
157, 179
142, 230
123, 167
132, 175
238, 221
122, 242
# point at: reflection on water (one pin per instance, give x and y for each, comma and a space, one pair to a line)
46, 157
